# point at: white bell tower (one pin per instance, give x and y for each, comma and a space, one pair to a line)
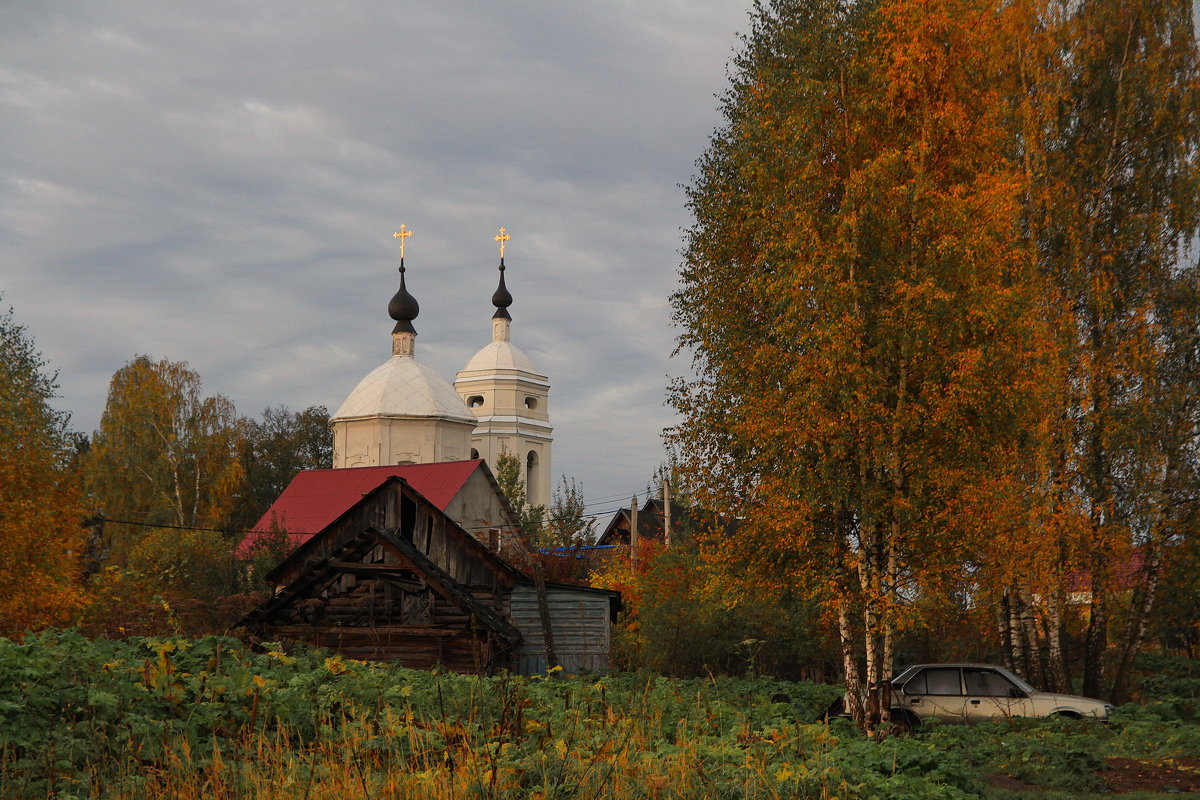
510, 401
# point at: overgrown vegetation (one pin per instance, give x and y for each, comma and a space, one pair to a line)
179, 718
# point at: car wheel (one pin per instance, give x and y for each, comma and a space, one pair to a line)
1067, 715
903, 723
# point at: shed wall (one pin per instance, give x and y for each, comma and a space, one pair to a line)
579, 620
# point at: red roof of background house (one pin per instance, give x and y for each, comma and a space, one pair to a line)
315, 498
1125, 571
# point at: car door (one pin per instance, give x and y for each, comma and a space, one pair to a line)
990, 695
935, 692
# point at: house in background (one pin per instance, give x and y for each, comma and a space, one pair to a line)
651, 521
653, 524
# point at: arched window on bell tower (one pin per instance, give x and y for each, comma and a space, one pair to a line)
532, 487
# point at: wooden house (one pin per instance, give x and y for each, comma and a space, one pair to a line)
395, 578
653, 524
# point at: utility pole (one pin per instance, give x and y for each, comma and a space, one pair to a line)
539, 584
667, 511
633, 532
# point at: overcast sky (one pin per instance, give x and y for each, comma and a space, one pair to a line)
218, 182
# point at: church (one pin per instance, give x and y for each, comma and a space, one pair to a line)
403, 412
403, 547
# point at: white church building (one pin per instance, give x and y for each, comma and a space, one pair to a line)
403, 412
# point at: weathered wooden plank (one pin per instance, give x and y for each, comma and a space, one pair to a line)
579, 621
358, 566
446, 586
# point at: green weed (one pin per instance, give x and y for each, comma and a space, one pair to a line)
208, 718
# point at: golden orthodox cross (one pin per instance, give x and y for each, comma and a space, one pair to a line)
402, 235
502, 238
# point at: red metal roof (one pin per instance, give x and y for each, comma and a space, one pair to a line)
315, 498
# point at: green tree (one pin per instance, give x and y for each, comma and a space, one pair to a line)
166, 454
862, 309
40, 504
567, 524
512, 485
274, 449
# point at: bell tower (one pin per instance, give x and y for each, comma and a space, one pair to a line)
510, 400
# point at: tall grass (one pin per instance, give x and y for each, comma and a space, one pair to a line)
395, 759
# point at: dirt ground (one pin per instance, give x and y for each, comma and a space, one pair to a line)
1128, 775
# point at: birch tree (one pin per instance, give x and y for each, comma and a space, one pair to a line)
1119, 223
166, 454
862, 309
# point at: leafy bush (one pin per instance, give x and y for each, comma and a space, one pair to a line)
1171, 681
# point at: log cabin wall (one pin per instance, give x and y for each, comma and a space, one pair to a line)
399, 619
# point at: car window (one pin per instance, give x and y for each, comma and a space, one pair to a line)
986, 683
943, 681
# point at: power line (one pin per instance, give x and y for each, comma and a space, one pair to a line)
185, 527
608, 498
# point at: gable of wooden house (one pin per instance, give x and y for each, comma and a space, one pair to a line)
465, 490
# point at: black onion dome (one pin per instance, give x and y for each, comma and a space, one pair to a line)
403, 307
501, 299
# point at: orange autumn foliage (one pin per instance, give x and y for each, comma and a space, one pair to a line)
864, 311
40, 508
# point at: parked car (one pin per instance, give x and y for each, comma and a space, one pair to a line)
975, 692
972, 693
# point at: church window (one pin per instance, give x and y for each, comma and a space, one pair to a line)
531, 402
475, 401
531, 482
474, 453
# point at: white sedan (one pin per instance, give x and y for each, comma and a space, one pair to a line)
975, 692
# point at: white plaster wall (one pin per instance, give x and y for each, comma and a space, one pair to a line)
382, 441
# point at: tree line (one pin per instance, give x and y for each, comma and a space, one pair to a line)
137, 526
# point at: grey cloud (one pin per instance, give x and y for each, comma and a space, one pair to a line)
218, 182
